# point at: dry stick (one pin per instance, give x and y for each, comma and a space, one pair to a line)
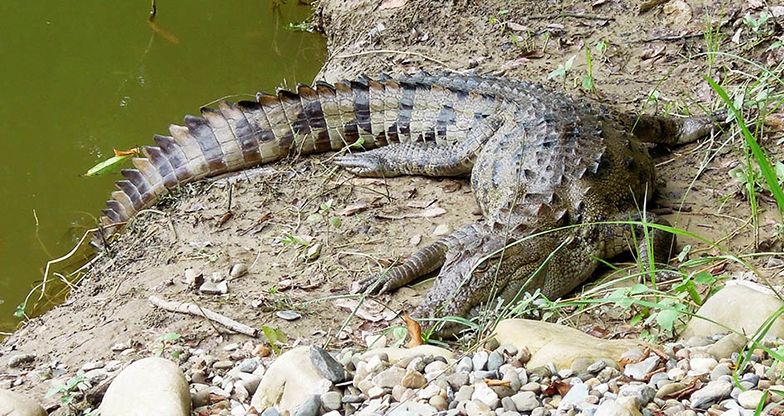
574, 15
191, 309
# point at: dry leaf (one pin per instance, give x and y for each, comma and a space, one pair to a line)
736, 36
414, 331
514, 63
775, 121
225, 217
392, 4
130, 152
370, 310
517, 27
492, 382
679, 11
354, 208
415, 240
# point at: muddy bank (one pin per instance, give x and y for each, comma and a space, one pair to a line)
282, 210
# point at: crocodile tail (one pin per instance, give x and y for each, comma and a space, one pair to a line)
232, 137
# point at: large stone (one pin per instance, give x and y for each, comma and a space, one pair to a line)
739, 307
396, 354
151, 386
15, 404
558, 344
289, 381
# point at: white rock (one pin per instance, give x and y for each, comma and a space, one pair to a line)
557, 344
149, 386
485, 394
288, 382
739, 307
749, 399
15, 404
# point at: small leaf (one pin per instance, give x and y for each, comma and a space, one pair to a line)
314, 218
171, 336
558, 72
666, 319
639, 288
588, 83
569, 62
704, 278
414, 331
335, 222
684, 253
110, 165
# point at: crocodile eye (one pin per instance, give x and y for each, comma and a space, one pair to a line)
485, 265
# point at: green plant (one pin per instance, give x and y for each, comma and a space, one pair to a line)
588, 78
325, 211
562, 69
167, 339
274, 335
67, 392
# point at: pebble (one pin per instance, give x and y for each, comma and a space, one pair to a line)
326, 365
238, 270
479, 360
288, 315
638, 371
21, 360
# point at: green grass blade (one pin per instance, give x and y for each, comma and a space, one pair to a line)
759, 155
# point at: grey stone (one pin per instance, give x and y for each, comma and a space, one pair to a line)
326, 366
310, 407
271, 412
331, 400
643, 392
464, 394
711, 393
596, 367
464, 365
724, 347
749, 399
21, 360
638, 371
457, 380
525, 401
494, 361
288, 315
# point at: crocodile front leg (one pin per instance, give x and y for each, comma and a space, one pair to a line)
417, 158
419, 264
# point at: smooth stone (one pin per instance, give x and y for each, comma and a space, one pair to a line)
722, 369
310, 407
331, 400
464, 365
436, 367
457, 380
739, 307
576, 394
630, 403
702, 365
724, 347
749, 399
464, 394
557, 344
238, 270
21, 360
494, 361
643, 392
486, 395
525, 401
396, 354
711, 393
479, 360
288, 315
288, 381
638, 371
150, 386
668, 389
326, 365
271, 412
209, 288
439, 402
389, 378
413, 380
16, 404
408, 408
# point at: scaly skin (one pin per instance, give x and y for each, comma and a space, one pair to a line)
538, 160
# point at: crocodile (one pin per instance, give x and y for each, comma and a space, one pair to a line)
539, 160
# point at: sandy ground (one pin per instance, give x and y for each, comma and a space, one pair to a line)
660, 48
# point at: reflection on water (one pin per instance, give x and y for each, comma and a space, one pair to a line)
81, 78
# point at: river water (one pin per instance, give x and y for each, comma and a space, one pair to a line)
81, 78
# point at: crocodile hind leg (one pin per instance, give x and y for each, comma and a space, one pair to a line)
417, 158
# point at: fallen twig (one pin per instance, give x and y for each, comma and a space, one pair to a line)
191, 309
574, 15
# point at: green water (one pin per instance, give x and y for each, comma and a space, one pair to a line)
79, 78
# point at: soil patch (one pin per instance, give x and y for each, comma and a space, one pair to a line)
281, 208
